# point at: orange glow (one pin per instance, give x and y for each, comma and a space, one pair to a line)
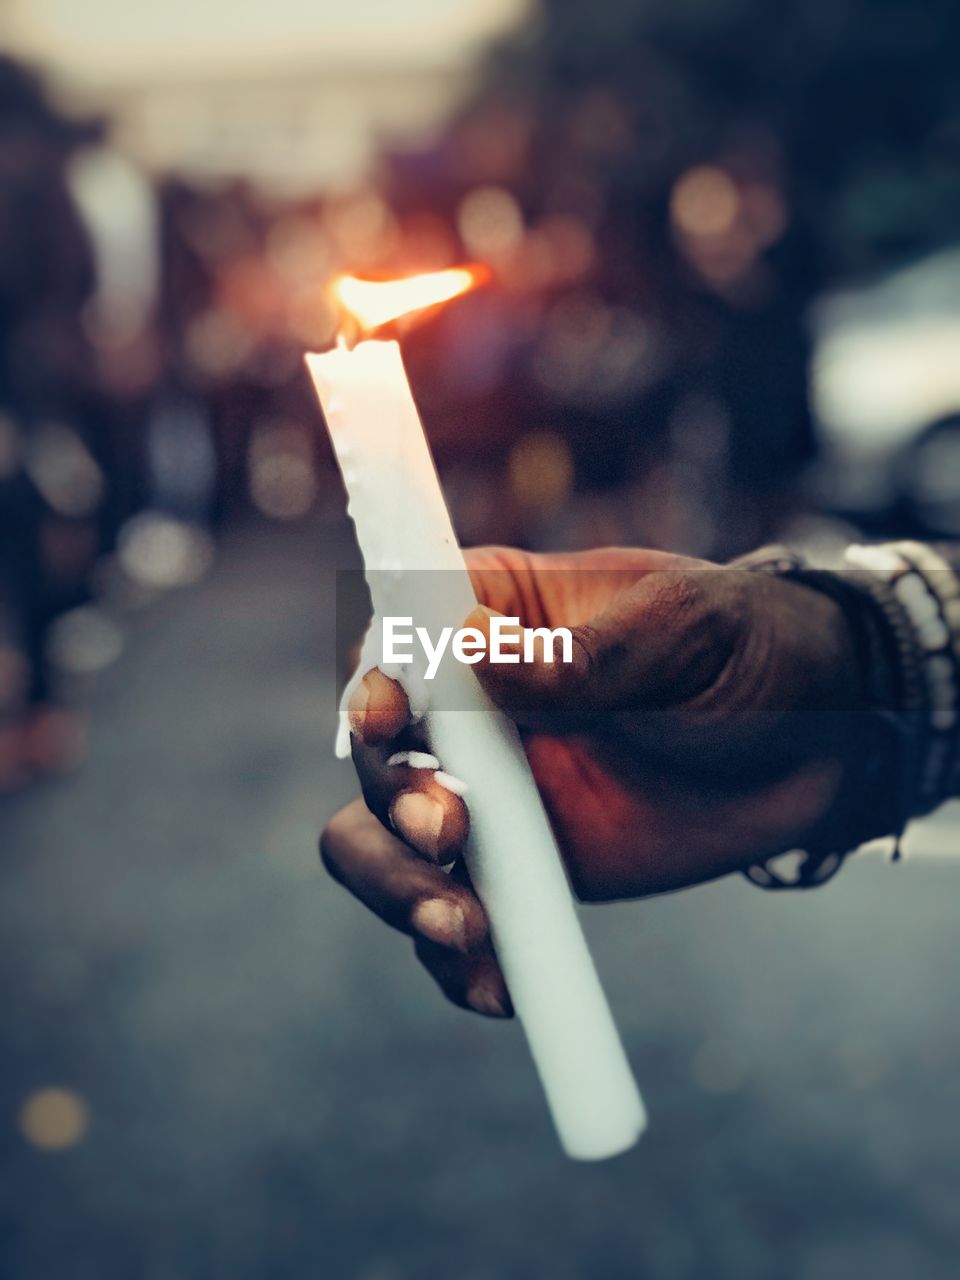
376, 302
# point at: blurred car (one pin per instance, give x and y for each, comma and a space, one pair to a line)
886, 391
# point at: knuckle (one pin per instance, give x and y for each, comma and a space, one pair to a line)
586, 645
696, 610
700, 615
677, 598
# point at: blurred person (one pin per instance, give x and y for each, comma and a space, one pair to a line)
226, 310
712, 720
51, 484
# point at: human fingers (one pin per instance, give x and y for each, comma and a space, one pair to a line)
472, 982
412, 796
401, 888
403, 788
439, 911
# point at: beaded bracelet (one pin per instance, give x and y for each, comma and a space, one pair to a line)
903, 603
926, 586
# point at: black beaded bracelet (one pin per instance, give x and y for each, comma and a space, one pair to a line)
888, 745
928, 590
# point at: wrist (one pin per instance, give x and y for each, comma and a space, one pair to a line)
871, 733
867, 736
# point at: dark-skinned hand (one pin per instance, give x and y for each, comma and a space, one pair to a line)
698, 729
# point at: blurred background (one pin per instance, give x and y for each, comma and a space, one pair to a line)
725, 307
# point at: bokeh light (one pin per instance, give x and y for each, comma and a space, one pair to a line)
704, 201
159, 551
490, 222
217, 344
541, 471
63, 469
54, 1118
283, 483
84, 641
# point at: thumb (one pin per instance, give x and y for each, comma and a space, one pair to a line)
659, 643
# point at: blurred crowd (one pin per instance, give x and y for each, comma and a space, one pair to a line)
660, 201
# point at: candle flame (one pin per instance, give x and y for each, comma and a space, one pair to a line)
376, 302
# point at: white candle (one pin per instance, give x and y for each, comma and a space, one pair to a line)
404, 532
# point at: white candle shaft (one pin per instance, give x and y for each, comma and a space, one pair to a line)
404, 531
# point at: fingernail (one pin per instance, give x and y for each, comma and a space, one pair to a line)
483, 1000
441, 921
357, 707
419, 819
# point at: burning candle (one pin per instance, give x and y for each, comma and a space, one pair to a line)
415, 569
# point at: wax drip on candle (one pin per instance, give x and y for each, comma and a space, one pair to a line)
365, 306
415, 760
410, 682
450, 783
510, 854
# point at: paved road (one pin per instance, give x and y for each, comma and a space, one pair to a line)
275, 1093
